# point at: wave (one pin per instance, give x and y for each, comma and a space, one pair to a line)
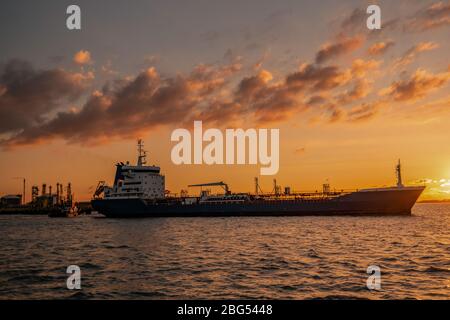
434, 269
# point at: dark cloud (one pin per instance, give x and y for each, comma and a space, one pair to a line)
28, 95
127, 108
417, 86
318, 77
341, 46
354, 21
131, 106
266, 101
316, 100
260, 99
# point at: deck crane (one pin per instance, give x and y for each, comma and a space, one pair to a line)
211, 184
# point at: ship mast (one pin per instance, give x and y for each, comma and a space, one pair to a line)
141, 153
398, 171
257, 187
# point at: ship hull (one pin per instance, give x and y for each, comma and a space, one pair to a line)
388, 201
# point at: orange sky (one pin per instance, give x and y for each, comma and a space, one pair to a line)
348, 102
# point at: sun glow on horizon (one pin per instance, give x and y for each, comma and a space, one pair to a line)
436, 189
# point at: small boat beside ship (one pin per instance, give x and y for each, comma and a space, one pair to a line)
139, 191
64, 212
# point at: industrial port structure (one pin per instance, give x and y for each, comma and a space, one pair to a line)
45, 201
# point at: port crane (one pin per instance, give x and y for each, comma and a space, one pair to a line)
100, 188
212, 184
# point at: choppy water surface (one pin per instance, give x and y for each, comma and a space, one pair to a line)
214, 258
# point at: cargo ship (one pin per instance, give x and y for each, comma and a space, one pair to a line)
139, 191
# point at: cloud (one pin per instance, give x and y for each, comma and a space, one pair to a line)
431, 17
426, 112
108, 70
327, 112
219, 94
27, 95
354, 20
82, 57
361, 67
316, 100
318, 78
251, 85
128, 107
380, 48
356, 75
364, 111
438, 105
437, 188
267, 101
131, 106
341, 46
412, 53
336, 115
360, 90
418, 86
356, 24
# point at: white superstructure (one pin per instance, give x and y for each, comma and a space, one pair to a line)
139, 181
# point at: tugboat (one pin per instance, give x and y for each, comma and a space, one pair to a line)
64, 208
64, 212
139, 191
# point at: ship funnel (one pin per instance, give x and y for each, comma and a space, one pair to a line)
69, 193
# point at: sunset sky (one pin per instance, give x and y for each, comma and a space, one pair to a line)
349, 102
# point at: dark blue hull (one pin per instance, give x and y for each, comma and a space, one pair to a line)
375, 202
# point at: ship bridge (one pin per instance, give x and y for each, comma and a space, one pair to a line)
137, 181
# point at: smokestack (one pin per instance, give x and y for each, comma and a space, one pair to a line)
44, 189
50, 190
276, 188
69, 193
34, 193
24, 195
